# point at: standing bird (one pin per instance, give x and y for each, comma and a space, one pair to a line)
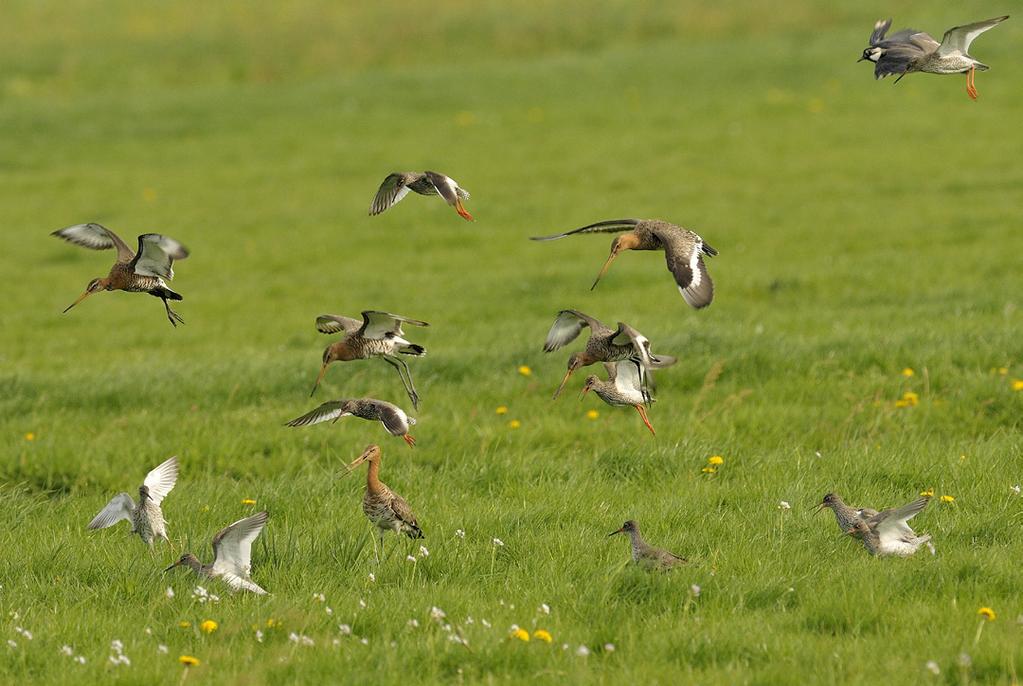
232, 555
846, 515
622, 389
887, 532
644, 554
146, 517
384, 508
146, 271
379, 334
397, 185
683, 250
394, 419
910, 50
604, 345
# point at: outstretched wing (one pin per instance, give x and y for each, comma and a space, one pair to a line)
161, 479
394, 419
958, 38
683, 252
232, 547
376, 324
626, 335
391, 191
120, 507
891, 524
880, 29
335, 323
331, 410
627, 378
567, 327
96, 237
156, 255
609, 226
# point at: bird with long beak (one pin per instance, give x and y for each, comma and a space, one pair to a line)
644, 554
683, 249
146, 516
397, 185
604, 345
385, 509
146, 271
232, 555
623, 389
395, 420
845, 515
378, 335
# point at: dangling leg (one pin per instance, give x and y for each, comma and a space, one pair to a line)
410, 440
642, 413
171, 314
397, 364
971, 88
414, 396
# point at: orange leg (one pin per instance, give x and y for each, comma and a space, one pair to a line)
971, 88
642, 413
462, 212
410, 440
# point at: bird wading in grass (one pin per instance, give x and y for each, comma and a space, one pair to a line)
683, 249
379, 335
397, 185
146, 516
644, 554
385, 509
909, 51
232, 555
145, 271
395, 420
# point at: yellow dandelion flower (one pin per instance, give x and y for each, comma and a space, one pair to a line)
209, 626
911, 397
709, 470
501, 409
908, 371
948, 499
1003, 371
30, 436
902, 403
188, 660
248, 501
525, 371
543, 635
271, 623
204, 508
592, 414
185, 624
987, 613
514, 424
715, 460
520, 634
927, 493
1017, 385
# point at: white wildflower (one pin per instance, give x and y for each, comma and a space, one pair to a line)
259, 636
437, 614
12, 645
345, 629
117, 646
301, 639
497, 542
319, 596
329, 610
469, 619
695, 590
169, 592
423, 552
784, 505
460, 533
609, 647
413, 623
410, 558
372, 578
162, 649
485, 623
336, 642
24, 632
67, 650
364, 641
545, 608
80, 659
362, 603
149, 632
582, 651
1015, 489
933, 667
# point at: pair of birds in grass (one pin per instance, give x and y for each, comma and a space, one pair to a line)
232, 546
882, 533
909, 50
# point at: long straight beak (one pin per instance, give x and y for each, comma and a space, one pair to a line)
82, 297
861, 59
615, 532
319, 378
603, 269
583, 394
819, 507
171, 567
562, 386
354, 464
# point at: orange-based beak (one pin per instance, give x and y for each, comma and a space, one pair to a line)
319, 378
357, 461
82, 297
603, 270
562, 386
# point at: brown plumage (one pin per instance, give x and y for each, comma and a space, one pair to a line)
845, 515
644, 554
394, 419
603, 345
379, 334
622, 389
683, 249
384, 508
397, 185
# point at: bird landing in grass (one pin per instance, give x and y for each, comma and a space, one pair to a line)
395, 420
145, 271
887, 532
683, 249
146, 516
397, 185
909, 51
644, 554
232, 555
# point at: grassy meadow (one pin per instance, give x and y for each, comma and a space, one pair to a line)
864, 229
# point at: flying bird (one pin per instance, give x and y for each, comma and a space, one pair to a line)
146, 517
397, 185
909, 51
146, 271
603, 345
623, 388
384, 508
232, 555
379, 335
683, 249
644, 554
394, 419
887, 532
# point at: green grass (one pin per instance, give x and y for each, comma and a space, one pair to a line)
863, 228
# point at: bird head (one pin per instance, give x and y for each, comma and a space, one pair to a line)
95, 286
591, 383
859, 529
830, 500
627, 528
576, 361
186, 560
627, 241
144, 493
871, 54
371, 454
